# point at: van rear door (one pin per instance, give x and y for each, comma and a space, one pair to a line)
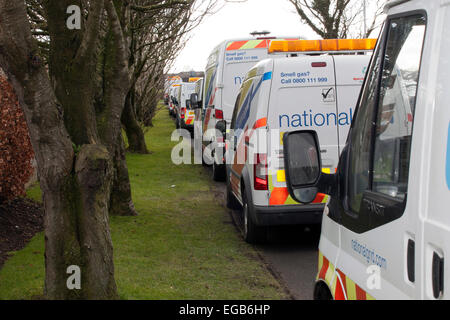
303, 97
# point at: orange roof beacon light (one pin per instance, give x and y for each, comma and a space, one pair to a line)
327, 45
194, 79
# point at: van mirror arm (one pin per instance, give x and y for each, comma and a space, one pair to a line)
327, 184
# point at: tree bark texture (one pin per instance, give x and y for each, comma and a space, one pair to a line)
76, 185
121, 203
135, 135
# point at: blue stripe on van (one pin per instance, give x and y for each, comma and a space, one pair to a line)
447, 170
267, 76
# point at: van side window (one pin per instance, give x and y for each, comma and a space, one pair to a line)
382, 131
396, 108
235, 111
361, 135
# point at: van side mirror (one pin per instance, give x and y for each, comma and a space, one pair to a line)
221, 126
188, 104
303, 166
194, 101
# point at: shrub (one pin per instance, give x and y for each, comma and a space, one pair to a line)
16, 152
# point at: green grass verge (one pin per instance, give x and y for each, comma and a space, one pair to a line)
181, 246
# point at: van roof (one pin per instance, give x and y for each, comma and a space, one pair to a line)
393, 3
246, 43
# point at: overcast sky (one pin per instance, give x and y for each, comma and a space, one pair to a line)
237, 20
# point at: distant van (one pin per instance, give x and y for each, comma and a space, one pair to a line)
315, 88
173, 97
225, 71
184, 112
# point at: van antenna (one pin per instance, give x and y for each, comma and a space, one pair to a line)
260, 33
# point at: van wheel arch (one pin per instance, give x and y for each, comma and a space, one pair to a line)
253, 234
322, 291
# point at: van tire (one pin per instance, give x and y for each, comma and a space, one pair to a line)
253, 233
203, 161
218, 171
322, 292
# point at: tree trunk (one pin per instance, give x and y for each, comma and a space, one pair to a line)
75, 187
135, 135
121, 203
77, 234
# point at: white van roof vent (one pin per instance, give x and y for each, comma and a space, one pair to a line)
263, 33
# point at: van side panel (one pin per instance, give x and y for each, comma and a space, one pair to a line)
249, 98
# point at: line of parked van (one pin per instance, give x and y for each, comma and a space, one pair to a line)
353, 134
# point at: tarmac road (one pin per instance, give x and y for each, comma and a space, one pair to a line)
291, 254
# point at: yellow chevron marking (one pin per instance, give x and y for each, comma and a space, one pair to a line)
281, 176
351, 289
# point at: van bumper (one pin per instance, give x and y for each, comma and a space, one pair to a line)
288, 215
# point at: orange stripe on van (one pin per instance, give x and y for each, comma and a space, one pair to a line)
319, 198
260, 123
278, 196
324, 269
263, 44
341, 288
236, 45
360, 293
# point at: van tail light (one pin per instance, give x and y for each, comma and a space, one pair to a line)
261, 180
219, 114
183, 112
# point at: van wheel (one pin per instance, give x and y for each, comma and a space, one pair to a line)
218, 171
177, 124
321, 292
253, 234
232, 202
203, 161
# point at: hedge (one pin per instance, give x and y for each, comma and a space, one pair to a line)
16, 152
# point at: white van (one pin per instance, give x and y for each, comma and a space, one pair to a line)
199, 92
184, 112
170, 81
173, 97
314, 92
224, 74
386, 229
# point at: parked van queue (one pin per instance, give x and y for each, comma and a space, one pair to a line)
317, 134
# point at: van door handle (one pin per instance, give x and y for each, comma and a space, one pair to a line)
437, 275
410, 260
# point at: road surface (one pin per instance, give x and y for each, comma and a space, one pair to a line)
291, 254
